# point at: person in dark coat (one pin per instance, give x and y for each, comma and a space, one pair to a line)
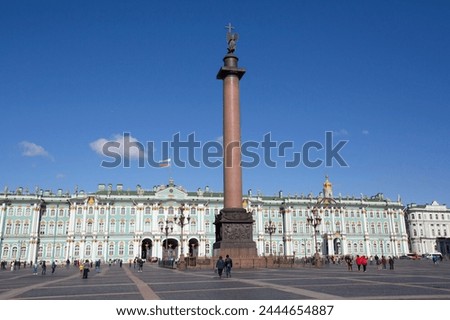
220, 264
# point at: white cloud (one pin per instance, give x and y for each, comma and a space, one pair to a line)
365, 132
119, 144
30, 149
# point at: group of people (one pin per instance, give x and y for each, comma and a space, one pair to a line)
226, 265
362, 261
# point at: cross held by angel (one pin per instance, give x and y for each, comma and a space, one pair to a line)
231, 38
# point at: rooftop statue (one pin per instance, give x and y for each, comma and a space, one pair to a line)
231, 38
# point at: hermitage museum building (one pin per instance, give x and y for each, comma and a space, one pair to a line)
117, 224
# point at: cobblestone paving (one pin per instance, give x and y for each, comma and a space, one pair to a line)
421, 280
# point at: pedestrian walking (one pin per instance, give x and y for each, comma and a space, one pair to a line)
363, 260
358, 262
53, 267
228, 266
44, 268
86, 270
391, 263
140, 263
35, 269
220, 264
383, 262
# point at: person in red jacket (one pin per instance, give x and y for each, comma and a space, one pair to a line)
358, 262
364, 263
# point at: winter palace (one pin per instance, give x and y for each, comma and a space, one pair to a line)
114, 223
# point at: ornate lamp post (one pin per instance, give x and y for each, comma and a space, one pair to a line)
166, 229
270, 229
182, 220
283, 214
315, 220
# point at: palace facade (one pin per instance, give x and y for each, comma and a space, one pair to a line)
428, 228
113, 223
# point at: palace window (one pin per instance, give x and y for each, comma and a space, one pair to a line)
133, 211
89, 226
88, 250
78, 226
17, 227
60, 227
132, 226
102, 211
122, 226
111, 249
171, 211
130, 249
121, 248
161, 210
100, 249
101, 226
51, 227
76, 251
148, 210
112, 226
122, 211
91, 211
26, 227
147, 226
207, 212
80, 211
193, 211
42, 228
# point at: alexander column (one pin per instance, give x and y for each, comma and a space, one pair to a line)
234, 225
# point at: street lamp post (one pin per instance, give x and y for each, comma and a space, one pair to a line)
167, 229
182, 220
283, 213
270, 229
315, 220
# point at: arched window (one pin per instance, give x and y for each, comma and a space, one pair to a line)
60, 227
121, 248
88, 250
26, 227
102, 211
147, 225
8, 227
132, 226
171, 210
207, 249
148, 210
112, 226
111, 249
17, 227
130, 248
42, 228
122, 226
193, 211
89, 226
76, 251
78, 226
100, 249
161, 210
101, 226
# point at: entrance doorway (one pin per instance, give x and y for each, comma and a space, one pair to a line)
146, 249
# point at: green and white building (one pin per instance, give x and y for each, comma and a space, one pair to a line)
114, 223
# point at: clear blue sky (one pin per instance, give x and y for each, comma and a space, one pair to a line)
375, 73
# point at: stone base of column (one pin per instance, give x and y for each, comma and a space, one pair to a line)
234, 237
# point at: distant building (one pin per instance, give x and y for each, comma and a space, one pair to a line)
428, 228
123, 224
